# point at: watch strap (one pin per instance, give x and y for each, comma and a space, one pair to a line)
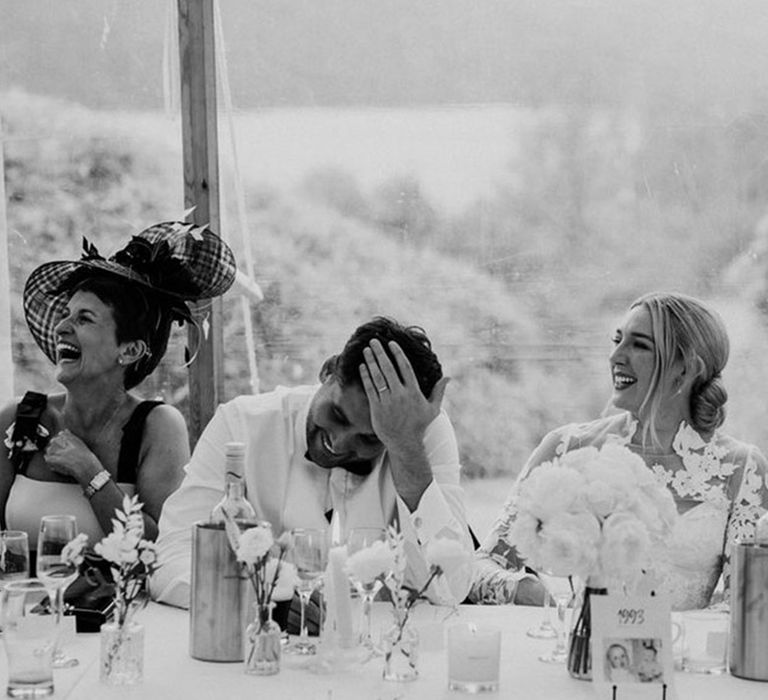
97, 483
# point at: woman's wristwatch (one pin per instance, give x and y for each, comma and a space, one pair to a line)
97, 483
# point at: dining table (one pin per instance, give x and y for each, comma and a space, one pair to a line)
171, 673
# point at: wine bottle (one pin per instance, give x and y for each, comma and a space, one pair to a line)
234, 506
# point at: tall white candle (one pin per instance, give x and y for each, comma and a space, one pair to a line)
342, 600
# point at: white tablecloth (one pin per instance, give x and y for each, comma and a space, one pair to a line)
170, 673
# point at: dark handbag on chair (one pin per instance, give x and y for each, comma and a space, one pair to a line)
90, 597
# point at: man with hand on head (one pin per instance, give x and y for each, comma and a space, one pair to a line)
370, 444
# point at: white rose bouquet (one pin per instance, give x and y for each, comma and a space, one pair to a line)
592, 513
263, 560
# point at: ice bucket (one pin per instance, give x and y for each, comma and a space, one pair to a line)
749, 611
220, 598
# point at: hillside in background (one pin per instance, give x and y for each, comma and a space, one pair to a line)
521, 321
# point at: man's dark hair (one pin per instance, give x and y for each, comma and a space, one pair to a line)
412, 339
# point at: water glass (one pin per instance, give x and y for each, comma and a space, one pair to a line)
29, 634
14, 556
705, 641
473, 657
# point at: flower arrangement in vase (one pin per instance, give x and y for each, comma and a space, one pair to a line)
599, 514
132, 561
388, 561
262, 559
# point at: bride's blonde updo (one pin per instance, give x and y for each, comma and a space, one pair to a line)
685, 329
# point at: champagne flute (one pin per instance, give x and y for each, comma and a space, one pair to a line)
55, 532
361, 538
560, 589
309, 553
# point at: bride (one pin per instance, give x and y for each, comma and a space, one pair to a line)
669, 352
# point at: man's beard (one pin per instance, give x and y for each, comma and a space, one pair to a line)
360, 467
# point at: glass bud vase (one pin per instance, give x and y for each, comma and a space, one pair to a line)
401, 651
580, 640
122, 653
262, 643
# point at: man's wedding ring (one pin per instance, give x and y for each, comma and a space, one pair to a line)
382, 389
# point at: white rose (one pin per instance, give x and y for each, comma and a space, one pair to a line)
625, 548
524, 536
550, 489
368, 564
601, 498
569, 545
254, 543
110, 547
579, 459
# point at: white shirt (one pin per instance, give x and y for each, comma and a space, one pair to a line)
289, 491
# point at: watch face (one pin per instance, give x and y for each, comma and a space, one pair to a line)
98, 482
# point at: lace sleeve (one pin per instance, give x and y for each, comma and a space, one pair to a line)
748, 504
498, 569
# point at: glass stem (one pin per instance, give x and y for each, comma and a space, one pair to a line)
560, 645
303, 600
367, 604
58, 604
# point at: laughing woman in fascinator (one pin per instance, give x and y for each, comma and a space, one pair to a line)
669, 352
105, 324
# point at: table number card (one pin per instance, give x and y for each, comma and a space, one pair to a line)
632, 647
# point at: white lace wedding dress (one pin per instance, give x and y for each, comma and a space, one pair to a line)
720, 487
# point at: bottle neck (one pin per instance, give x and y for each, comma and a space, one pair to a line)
233, 486
233, 479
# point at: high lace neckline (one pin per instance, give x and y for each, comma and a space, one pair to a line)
686, 440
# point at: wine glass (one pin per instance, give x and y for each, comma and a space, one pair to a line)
309, 553
545, 629
560, 589
55, 532
359, 539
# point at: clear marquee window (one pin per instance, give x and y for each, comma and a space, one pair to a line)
509, 175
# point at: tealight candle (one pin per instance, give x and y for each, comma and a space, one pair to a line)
473, 657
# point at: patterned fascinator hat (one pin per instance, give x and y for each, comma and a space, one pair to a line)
172, 263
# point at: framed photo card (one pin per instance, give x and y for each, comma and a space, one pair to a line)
632, 647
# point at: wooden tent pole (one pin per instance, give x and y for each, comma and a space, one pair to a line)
201, 194
6, 355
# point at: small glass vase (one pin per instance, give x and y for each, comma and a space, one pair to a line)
401, 651
263, 643
122, 653
580, 641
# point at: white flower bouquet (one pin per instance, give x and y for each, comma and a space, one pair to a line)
263, 560
388, 559
132, 558
592, 513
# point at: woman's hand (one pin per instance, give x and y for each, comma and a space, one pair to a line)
67, 454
